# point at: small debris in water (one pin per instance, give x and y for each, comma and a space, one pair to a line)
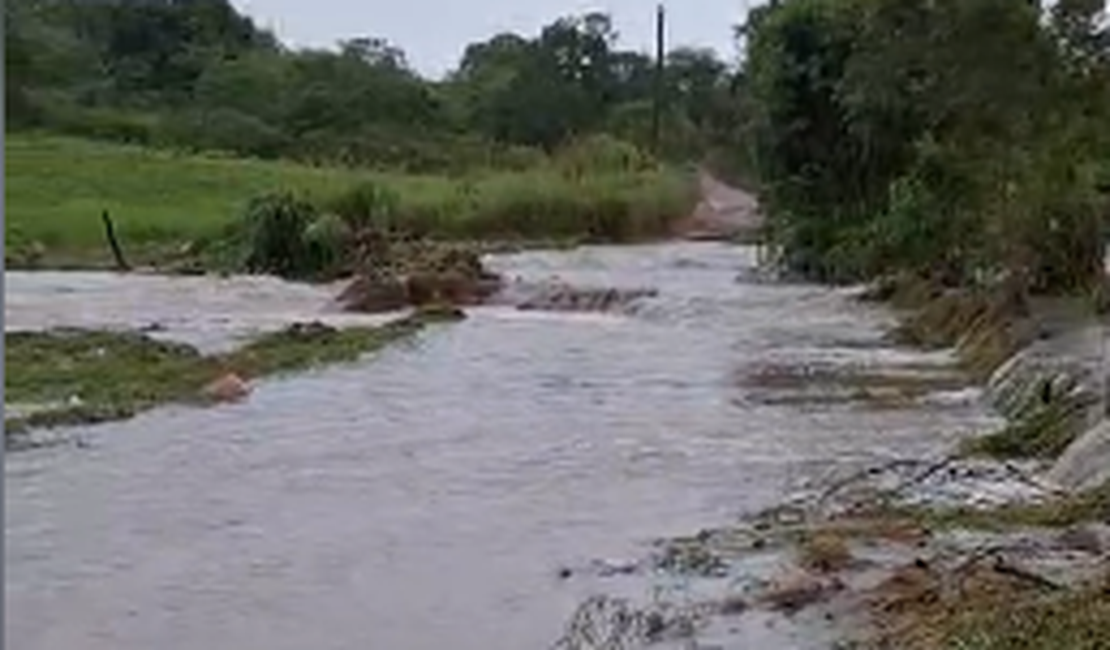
309, 330
733, 605
608, 568
796, 590
228, 388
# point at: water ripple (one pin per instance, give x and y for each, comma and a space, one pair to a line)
425, 498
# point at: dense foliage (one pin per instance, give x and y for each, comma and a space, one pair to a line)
953, 138
197, 74
958, 139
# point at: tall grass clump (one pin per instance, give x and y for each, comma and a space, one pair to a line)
597, 188
274, 229
542, 204
366, 205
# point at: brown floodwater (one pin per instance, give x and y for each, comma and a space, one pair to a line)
428, 496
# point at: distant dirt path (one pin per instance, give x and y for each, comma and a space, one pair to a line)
724, 212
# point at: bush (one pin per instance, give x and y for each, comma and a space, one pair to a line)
367, 206
223, 129
19, 249
947, 138
601, 153
275, 227
413, 153
328, 249
98, 123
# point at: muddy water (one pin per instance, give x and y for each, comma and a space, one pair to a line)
428, 497
213, 314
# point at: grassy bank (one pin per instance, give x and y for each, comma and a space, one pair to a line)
975, 604
64, 371
57, 188
993, 607
987, 326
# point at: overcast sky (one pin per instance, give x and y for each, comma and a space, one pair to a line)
433, 33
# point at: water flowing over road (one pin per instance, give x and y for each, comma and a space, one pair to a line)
426, 497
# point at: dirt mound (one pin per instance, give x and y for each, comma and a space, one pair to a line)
417, 275
422, 274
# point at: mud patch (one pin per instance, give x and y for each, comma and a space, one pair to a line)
418, 274
909, 554
1000, 596
890, 386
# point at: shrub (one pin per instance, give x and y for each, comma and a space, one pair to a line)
367, 205
98, 123
327, 242
601, 153
275, 226
223, 129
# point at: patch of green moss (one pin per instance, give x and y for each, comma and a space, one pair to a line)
308, 345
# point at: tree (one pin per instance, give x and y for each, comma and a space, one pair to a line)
947, 137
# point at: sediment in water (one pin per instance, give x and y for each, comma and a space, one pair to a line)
929, 552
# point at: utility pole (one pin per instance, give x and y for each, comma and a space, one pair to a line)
657, 103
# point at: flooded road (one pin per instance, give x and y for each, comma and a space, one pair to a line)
209, 313
428, 497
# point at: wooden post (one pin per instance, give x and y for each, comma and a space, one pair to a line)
657, 103
110, 233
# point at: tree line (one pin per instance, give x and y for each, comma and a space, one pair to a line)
198, 74
961, 140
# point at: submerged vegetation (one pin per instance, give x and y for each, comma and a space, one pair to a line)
63, 371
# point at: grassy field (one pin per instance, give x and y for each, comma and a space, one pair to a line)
57, 188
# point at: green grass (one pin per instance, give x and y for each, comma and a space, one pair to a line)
58, 186
115, 375
1061, 512
1044, 431
1075, 620
975, 607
